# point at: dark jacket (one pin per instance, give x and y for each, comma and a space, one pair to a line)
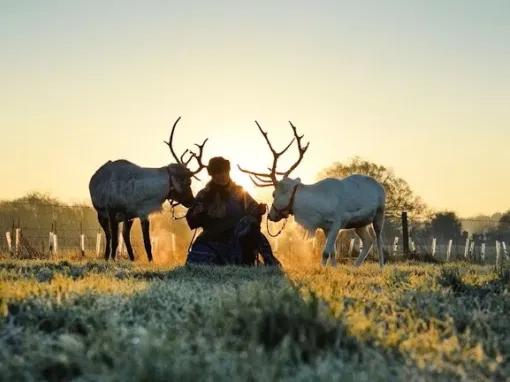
232, 203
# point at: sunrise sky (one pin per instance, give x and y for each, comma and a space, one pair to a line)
422, 87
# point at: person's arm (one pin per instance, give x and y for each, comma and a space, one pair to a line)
252, 207
197, 213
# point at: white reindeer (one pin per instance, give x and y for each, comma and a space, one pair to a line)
355, 202
121, 191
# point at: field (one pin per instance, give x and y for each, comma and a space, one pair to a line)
90, 321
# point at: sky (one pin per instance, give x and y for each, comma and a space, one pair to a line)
422, 87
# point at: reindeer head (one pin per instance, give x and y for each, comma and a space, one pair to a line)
180, 175
285, 188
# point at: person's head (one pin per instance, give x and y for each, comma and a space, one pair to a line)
219, 170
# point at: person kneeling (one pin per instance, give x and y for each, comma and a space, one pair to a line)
230, 219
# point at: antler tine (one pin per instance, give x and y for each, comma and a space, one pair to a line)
260, 184
253, 172
302, 151
170, 141
181, 159
276, 154
198, 156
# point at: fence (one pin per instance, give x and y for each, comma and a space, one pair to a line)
48, 232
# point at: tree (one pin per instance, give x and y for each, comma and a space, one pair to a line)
399, 196
446, 225
503, 228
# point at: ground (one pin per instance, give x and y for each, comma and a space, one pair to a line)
62, 320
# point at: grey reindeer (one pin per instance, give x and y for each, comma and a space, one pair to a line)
122, 191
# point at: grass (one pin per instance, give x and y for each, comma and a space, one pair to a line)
63, 320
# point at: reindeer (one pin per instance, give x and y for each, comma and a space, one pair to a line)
122, 191
355, 202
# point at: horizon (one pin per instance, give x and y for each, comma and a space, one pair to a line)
419, 88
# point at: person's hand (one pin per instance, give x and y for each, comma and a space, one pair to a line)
198, 209
261, 209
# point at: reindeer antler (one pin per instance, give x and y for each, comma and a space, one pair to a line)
269, 179
302, 151
170, 143
198, 156
191, 154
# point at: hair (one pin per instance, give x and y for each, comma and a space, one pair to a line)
218, 165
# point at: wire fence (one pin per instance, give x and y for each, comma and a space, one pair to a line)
44, 230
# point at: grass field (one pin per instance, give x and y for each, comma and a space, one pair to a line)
94, 321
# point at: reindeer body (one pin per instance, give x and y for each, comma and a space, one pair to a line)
355, 202
128, 190
122, 191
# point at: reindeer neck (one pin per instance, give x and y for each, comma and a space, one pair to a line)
306, 211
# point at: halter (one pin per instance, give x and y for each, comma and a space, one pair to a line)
173, 203
288, 209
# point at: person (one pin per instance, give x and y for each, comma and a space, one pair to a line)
230, 219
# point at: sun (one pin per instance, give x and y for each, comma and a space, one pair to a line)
243, 180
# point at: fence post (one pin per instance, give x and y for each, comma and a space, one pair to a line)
449, 250
98, 242
405, 234
466, 249
55, 238
351, 247
18, 241
55, 243
395, 246
434, 246
9, 241
413, 246
120, 245
82, 240
482, 253
505, 252
498, 253
472, 249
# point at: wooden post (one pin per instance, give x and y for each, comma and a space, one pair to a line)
120, 246
9, 241
351, 247
472, 249
55, 243
434, 246
50, 240
449, 250
413, 246
82, 244
505, 252
82, 240
395, 246
466, 248
98, 242
55, 238
18, 241
405, 234
482, 252
498, 253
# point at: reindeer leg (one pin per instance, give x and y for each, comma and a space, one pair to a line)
366, 238
126, 230
329, 249
114, 231
378, 225
146, 237
105, 225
